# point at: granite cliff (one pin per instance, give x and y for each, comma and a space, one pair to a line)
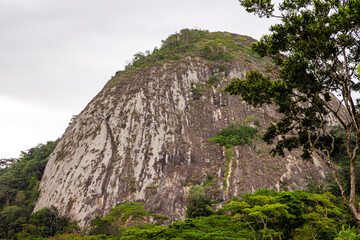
145, 136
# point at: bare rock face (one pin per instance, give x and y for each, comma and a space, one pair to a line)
144, 137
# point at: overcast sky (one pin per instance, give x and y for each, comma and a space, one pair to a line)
56, 55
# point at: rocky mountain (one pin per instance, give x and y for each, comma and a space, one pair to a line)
145, 136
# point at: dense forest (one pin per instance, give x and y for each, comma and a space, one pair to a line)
19, 183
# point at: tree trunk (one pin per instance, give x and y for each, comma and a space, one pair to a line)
355, 214
358, 224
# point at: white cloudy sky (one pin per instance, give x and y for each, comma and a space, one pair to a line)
56, 55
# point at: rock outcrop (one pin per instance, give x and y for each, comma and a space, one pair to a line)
144, 137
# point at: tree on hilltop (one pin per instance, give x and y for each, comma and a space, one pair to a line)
316, 46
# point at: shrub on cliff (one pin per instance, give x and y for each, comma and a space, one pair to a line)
234, 135
199, 204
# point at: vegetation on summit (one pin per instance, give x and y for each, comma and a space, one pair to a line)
218, 49
211, 46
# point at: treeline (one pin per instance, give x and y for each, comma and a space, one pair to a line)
265, 214
19, 190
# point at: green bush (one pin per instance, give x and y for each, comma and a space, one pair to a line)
209, 180
265, 214
348, 233
195, 91
223, 68
104, 226
213, 80
234, 135
113, 222
199, 204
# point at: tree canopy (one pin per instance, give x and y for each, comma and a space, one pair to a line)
265, 214
316, 47
19, 183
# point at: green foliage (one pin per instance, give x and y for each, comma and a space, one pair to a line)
257, 90
213, 80
341, 159
302, 37
23, 175
215, 51
209, 180
348, 233
222, 68
212, 227
199, 204
262, 8
123, 215
234, 135
104, 226
266, 214
47, 222
112, 224
72, 236
134, 209
296, 215
214, 46
316, 45
18, 192
195, 90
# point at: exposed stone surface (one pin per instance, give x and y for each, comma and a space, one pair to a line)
144, 137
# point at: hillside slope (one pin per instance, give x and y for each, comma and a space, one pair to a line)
145, 136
